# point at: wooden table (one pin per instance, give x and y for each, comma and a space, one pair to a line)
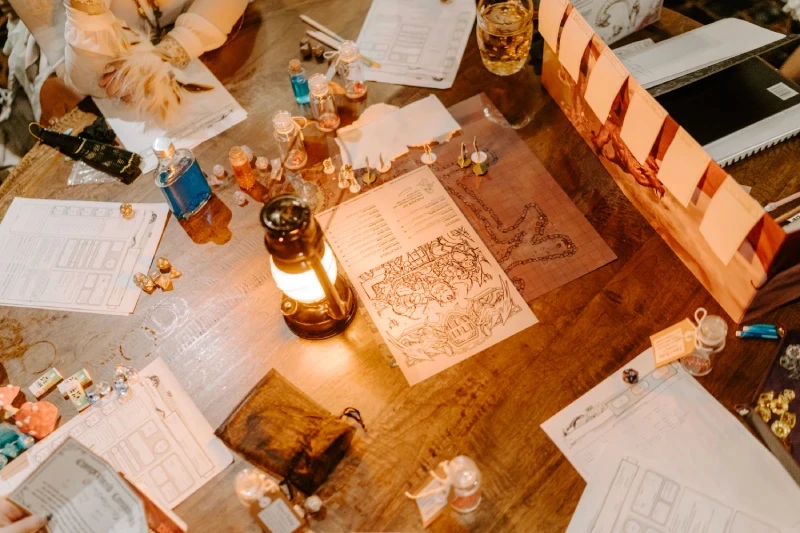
220, 330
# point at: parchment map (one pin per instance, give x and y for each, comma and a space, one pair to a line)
446, 270
532, 228
430, 284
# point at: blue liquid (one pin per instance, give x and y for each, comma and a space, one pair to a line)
188, 192
300, 88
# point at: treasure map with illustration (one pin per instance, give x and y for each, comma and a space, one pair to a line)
433, 290
529, 224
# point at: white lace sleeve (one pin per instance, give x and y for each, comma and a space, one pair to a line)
206, 25
92, 41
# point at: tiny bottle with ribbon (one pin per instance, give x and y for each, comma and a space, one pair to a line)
351, 70
289, 136
710, 338
323, 105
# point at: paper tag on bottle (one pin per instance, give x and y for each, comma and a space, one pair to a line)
430, 507
274, 514
674, 342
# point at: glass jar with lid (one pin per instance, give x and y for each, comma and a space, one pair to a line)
323, 106
351, 70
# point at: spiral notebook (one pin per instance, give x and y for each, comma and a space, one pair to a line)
738, 111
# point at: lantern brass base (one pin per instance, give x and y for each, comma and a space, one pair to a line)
314, 321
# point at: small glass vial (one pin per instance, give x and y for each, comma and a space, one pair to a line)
299, 81
180, 179
351, 69
710, 339
241, 168
290, 141
465, 479
323, 106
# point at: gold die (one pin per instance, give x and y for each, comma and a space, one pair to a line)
164, 281
126, 210
790, 419
788, 395
163, 265
175, 273
778, 406
780, 429
766, 397
764, 412
144, 283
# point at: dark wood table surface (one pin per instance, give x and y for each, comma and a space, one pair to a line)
220, 329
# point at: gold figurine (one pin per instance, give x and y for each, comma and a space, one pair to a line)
464, 160
369, 176
479, 160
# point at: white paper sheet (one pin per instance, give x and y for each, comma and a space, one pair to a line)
417, 42
633, 48
628, 495
387, 132
668, 418
76, 256
82, 493
434, 290
202, 116
696, 49
155, 435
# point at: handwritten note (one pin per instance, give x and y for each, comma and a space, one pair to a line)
605, 81
674, 342
642, 124
574, 40
551, 13
683, 166
730, 216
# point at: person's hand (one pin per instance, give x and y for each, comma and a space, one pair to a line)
13, 519
110, 82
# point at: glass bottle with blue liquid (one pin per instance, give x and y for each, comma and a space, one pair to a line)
180, 179
299, 81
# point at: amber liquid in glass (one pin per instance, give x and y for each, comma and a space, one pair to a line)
505, 32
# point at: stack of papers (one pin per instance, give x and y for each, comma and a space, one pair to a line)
76, 256
695, 50
202, 116
682, 439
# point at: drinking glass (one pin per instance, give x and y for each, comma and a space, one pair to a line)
505, 31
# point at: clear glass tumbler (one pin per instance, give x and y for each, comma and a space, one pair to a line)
505, 32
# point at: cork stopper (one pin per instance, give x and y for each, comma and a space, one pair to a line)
295, 66
237, 156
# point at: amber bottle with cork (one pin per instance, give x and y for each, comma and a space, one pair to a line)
245, 176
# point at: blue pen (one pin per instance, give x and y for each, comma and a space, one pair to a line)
757, 335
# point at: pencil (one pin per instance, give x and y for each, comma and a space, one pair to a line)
786, 216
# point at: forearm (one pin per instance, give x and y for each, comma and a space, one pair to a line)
93, 39
206, 25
